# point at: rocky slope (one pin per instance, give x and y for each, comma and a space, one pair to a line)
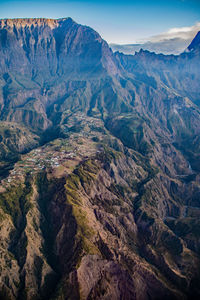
97, 227
177, 73
106, 205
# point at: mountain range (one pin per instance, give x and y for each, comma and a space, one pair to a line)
100, 166
174, 41
174, 46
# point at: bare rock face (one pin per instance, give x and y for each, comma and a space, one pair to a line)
47, 47
40, 55
96, 274
101, 279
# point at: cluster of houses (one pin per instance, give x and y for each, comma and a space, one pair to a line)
79, 145
36, 160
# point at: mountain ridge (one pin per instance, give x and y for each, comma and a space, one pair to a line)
100, 170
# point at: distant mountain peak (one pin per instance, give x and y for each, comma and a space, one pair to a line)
195, 44
61, 39
22, 22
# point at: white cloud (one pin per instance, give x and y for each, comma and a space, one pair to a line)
173, 41
185, 33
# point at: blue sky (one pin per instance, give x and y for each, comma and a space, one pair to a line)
122, 21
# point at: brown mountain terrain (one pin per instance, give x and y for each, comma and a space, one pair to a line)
100, 182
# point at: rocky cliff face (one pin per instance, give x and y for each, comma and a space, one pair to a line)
39, 57
178, 73
43, 48
106, 205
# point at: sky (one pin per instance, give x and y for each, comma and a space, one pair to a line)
122, 21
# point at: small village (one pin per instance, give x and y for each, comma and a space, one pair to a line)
60, 156
54, 158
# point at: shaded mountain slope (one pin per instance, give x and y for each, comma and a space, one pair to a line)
42, 48
179, 73
194, 46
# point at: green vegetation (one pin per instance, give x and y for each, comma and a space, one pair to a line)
46, 191
71, 186
119, 190
130, 130
109, 154
14, 139
87, 171
82, 176
16, 201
